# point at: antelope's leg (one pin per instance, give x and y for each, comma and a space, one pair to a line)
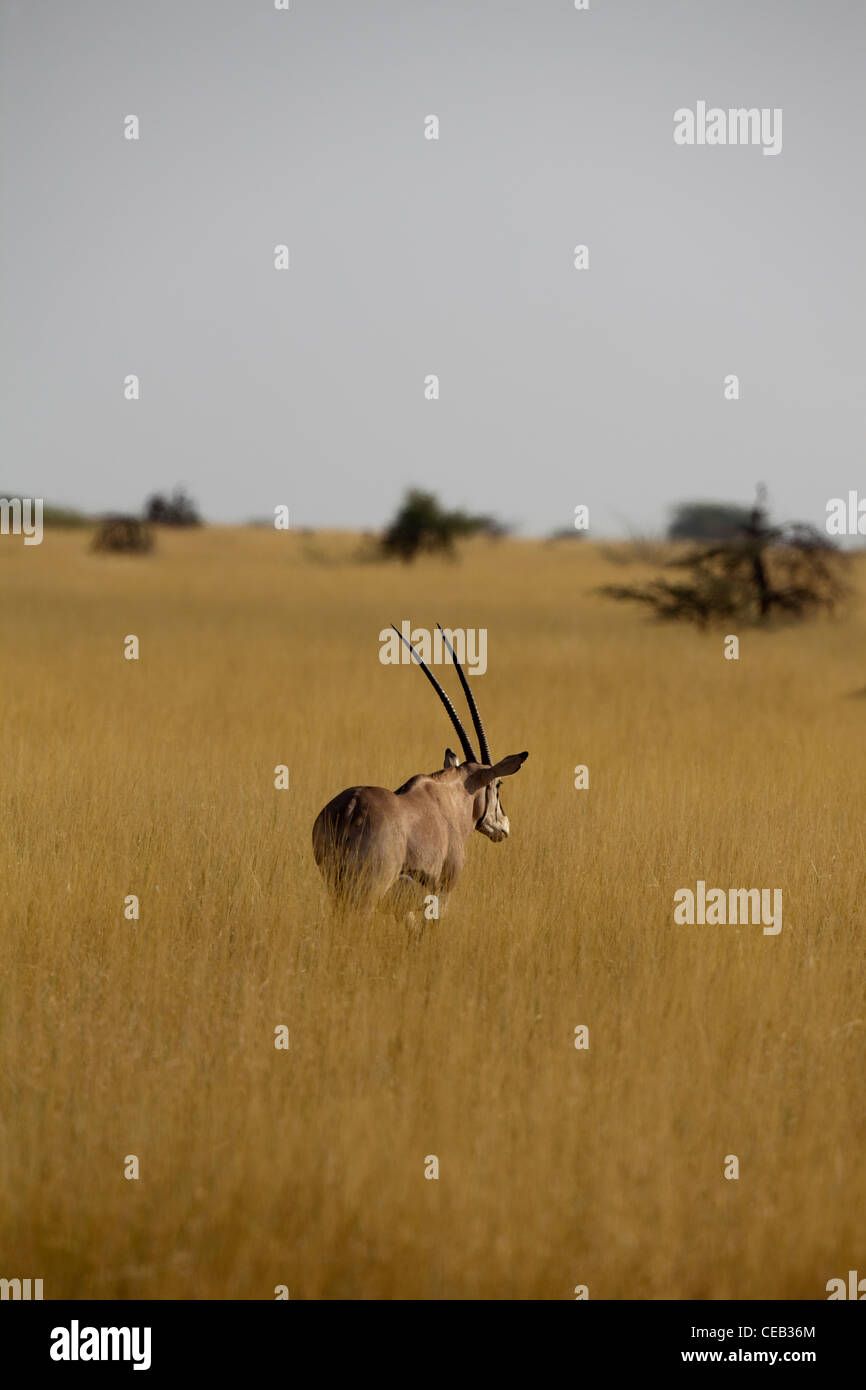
405, 899
409, 901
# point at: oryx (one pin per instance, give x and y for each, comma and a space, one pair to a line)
371, 844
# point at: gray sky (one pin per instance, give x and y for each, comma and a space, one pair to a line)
410, 256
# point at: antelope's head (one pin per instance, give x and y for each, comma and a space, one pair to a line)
481, 777
482, 783
493, 821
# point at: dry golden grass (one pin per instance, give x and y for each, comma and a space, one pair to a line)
306, 1167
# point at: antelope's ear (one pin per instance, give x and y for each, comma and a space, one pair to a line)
450, 759
506, 767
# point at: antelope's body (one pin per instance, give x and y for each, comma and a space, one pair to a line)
373, 845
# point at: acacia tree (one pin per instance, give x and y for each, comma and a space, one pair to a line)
760, 570
423, 525
176, 510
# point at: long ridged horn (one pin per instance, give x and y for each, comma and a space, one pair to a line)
470, 700
461, 733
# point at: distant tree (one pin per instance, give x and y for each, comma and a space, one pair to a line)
421, 526
125, 534
177, 510
707, 521
762, 570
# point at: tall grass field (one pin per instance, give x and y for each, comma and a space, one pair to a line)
304, 1166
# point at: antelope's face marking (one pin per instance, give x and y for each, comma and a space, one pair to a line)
494, 823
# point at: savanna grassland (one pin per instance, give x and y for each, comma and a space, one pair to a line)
305, 1167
